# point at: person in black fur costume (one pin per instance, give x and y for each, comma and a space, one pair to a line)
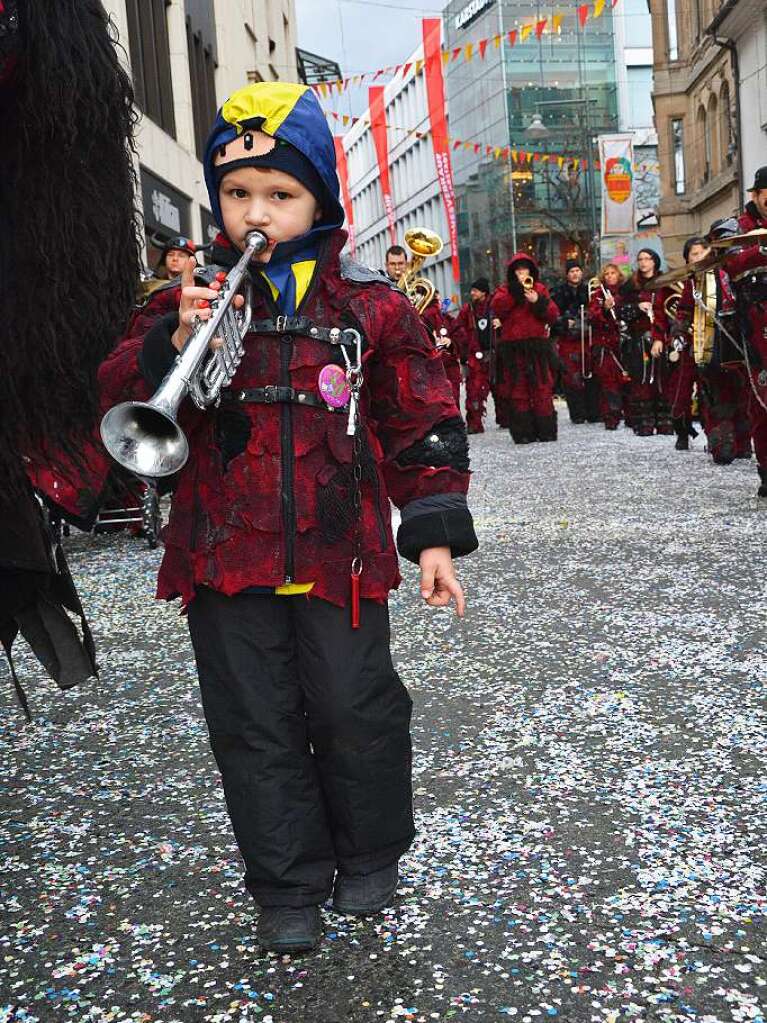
69, 257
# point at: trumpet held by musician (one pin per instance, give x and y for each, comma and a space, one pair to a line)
526, 360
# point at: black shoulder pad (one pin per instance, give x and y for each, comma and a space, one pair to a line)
351, 270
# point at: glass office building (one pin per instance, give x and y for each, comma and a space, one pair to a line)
552, 94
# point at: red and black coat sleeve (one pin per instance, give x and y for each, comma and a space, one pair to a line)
425, 450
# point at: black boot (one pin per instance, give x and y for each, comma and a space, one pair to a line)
289, 928
762, 491
522, 428
576, 405
682, 435
546, 427
362, 894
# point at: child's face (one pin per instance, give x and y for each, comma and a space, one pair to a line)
270, 200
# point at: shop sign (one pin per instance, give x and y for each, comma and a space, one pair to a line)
166, 210
470, 12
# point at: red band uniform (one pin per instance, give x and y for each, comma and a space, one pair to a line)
606, 355
648, 409
721, 384
747, 269
525, 357
475, 320
580, 386
447, 342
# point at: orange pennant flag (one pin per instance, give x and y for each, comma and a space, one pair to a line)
575, 164
556, 23
599, 6
445, 57
419, 66
525, 32
515, 156
457, 52
583, 14
469, 51
497, 152
541, 25
482, 47
512, 37
497, 41
560, 161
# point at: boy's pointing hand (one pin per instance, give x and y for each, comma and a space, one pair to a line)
438, 581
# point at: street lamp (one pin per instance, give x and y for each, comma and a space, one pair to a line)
536, 129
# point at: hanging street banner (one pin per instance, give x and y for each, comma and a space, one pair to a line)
343, 177
381, 141
616, 160
435, 93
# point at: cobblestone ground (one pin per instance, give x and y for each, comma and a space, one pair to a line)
590, 779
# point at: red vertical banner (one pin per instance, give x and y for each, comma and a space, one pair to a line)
381, 142
435, 93
343, 177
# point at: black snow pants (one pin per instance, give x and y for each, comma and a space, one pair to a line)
309, 724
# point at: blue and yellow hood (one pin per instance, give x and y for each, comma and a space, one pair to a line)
285, 111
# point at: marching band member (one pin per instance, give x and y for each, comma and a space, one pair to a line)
747, 268
606, 354
523, 314
475, 320
280, 521
698, 340
447, 340
647, 408
570, 329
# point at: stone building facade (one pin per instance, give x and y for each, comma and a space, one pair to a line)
695, 96
185, 57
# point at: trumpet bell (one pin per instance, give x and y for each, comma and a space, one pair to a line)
144, 440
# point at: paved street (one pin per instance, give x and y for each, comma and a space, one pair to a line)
591, 791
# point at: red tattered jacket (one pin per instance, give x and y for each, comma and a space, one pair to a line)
523, 320
750, 219
266, 496
604, 322
436, 321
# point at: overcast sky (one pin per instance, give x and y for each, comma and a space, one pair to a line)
362, 35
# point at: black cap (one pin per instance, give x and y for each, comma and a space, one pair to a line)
760, 179
723, 228
482, 284
573, 264
176, 243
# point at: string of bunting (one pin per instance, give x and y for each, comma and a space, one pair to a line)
468, 51
518, 156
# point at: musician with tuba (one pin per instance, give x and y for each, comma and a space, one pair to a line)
318, 404
704, 309
475, 320
605, 345
573, 342
526, 361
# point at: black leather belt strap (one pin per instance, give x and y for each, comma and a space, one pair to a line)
272, 394
303, 325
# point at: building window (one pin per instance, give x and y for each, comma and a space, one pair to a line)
725, 132
703, 145
202, 66
150, 60
714, 148
639, 81
677, 149
673, 50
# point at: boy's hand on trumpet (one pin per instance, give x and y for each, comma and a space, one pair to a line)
195, 305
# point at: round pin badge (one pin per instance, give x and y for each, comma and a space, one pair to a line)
479, 355
482, 324
334, 387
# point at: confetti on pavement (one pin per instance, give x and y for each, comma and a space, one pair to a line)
590, 779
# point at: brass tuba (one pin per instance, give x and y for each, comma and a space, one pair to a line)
670, 304
422, 243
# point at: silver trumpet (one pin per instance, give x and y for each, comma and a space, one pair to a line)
144, 436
